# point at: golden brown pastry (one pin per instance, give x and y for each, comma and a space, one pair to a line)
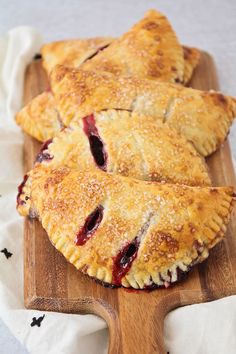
123, 142
204, 118
124, 231
150, 49
40, 118
71, 53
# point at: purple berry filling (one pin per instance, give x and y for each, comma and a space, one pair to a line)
123, 261
90, 226
43, 155
20, 191
95, 142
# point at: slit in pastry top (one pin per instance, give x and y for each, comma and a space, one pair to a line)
188, 111
90, 226
96, 52
96, 144
124, 259
127, 247
128, 144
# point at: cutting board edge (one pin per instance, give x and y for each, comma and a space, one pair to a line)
88, 304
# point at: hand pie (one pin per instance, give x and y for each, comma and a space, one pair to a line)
202, 117
71, 53
125, 143
124, 231
150, 49
40, 118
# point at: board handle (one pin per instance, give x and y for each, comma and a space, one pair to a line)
136, 321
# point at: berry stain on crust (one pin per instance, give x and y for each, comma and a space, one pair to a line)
95, 142
43, 155
20, 191
90, 226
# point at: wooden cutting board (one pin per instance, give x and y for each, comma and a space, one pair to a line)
135, 318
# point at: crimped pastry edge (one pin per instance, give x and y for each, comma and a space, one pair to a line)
164, 278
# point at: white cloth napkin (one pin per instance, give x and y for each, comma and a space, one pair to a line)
197, 329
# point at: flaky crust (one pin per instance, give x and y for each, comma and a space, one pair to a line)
71, 53
134, 146
150, 49
147, 232
204, 118
40, 118
191, 59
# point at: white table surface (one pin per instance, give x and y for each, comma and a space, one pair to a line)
206, 24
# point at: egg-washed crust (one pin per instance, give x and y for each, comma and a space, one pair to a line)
145, 232
131, 145
71, 53
204, 118
40, 118
152, 38
150, 49
191, 59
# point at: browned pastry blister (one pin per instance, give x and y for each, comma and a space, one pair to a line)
203, 118
123, 142
124, 231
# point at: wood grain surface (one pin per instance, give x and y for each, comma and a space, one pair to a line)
135, 318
